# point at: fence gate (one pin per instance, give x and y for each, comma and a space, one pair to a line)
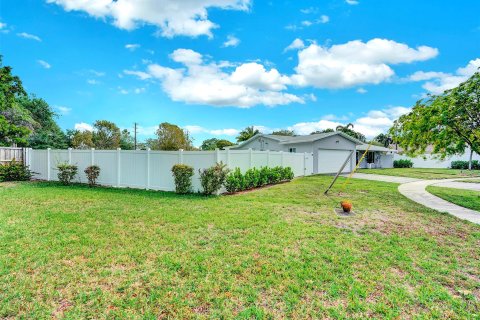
7, 155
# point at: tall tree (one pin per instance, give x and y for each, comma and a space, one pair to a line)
46, 132
81, 139
106, 135
19, 120
284, 132
247, 133
449, 122
214, 143
348, 129
127, 142
384, 139
170, 137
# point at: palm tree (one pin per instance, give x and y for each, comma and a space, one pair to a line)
347, 127
247, 133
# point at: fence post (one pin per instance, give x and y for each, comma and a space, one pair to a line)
48, 164
92, 156
228, 157
180, 156
282, 157
148, 168
217, 155
69, 155
250, 158
118, 167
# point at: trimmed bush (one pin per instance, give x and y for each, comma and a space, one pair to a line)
66, 173
92, 173
234, 181
213, 178
15, 172
182, 174
463, 165
402, 163
255, 178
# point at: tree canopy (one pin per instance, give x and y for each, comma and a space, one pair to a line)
449, 122
284, 132
214, 143
170, 137
348, 129
247, 133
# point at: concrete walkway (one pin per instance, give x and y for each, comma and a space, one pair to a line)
414, 189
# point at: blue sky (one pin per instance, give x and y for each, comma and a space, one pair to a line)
217, 66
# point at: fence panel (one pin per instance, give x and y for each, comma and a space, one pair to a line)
7, 155
147, 169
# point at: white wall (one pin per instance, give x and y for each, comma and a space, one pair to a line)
151, 169
431, 162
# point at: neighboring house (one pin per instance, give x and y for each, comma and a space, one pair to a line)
330, 150
376, 157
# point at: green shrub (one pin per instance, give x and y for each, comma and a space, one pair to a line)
287, 174
66, 173
213, 178
402, 163
182, 174
15, 172
92, 173
264, 174
252, 178
463, 165
234, 181
276, 174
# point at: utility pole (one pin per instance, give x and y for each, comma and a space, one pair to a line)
135, 135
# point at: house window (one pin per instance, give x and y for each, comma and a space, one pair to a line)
371, 157
293, 150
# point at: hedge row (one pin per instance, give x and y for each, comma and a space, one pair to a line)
403, 163
254, 178
463, 165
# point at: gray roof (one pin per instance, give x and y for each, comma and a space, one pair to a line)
364, 146
300, 139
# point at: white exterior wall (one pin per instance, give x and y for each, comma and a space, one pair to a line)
334, 143
268, 144
431, 162
146, 169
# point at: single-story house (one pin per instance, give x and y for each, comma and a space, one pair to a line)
330, 150
376, 157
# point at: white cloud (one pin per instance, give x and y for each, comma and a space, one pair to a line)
132, 46
97, 73
172, 17
63, 110
352, 2
304, 128
139, 90
202, 82
324, 19
438, 82
362, 90
93, 81
308, 23
232, 41
44, 64
296, 44
29, 36
355, 62
215, 132
309, 10
140, 74
82, 126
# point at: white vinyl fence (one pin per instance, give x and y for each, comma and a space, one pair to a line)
146, 169
429, 161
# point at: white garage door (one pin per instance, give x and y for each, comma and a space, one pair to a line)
330, 161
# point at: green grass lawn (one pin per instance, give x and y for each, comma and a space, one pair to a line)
421, 173
465, 198
280, 252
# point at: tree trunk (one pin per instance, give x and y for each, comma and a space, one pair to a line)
470, 160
